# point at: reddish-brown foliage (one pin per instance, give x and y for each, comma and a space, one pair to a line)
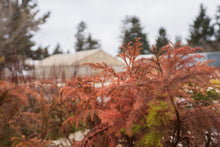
30, 110
125, 102
164, 100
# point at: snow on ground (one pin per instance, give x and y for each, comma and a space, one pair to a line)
77, 136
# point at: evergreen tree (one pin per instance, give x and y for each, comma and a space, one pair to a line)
91, 43
161, 39
40, 53
131, 30
80, 36
83, 40
45, 53
19, 21
201, 31
217, 24
57, 50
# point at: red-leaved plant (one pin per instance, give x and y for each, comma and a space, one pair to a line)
31, 114
150, 103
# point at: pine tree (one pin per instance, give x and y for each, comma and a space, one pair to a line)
57, 50
161, 39
80, 36
84, 41
131, 30
201, 31
19, 21
217, 24
91, 43
40, 53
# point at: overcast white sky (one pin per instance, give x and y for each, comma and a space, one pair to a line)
104, 19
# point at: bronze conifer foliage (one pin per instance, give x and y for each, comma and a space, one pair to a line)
123, 105
166, 100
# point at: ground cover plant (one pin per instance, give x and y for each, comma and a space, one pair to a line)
170, 99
